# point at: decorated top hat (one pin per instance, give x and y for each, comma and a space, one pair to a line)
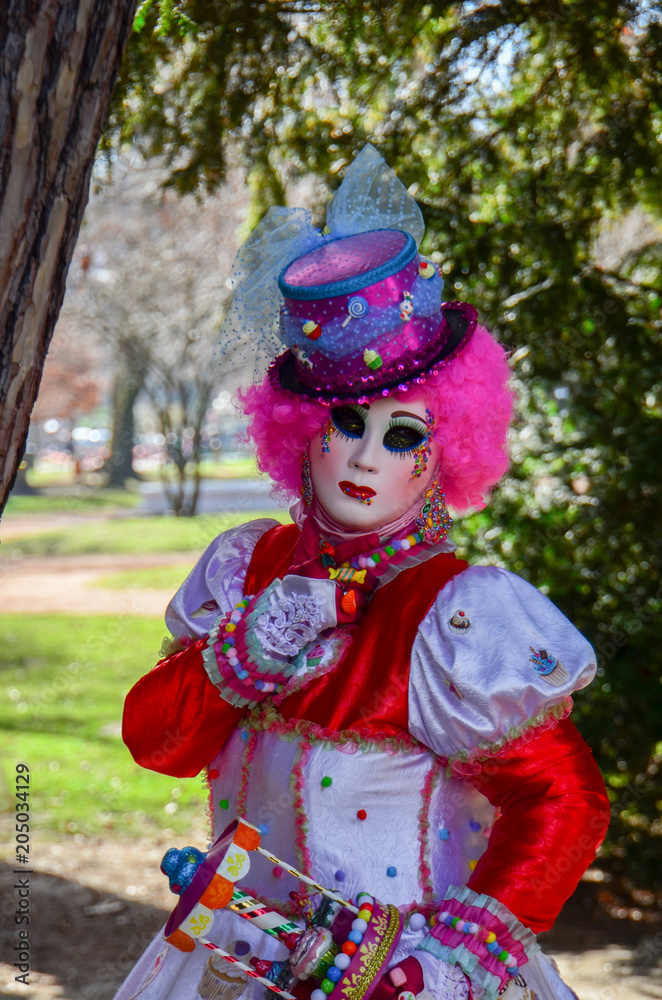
363, 316
359, 312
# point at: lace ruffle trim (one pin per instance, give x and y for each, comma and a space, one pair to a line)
424, 865
348, 741
468, 761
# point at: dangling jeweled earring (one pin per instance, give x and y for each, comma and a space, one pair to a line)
325, 433
434, 520
306, 482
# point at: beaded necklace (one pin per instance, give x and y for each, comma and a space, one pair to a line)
354, 571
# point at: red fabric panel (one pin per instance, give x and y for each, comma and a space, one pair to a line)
368, 691
174, 719
271, 558
554, 815
414, 981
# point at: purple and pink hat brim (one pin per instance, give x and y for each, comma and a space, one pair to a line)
459, 320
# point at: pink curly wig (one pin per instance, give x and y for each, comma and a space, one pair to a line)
471, 401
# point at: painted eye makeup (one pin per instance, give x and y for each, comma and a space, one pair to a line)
348, 421
404, 436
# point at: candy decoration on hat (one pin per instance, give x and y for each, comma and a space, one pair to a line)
302, 357
180, 867
426, 269
312, 329
407, 307
372, 359
356, 308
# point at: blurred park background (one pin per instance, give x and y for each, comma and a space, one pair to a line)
531, 135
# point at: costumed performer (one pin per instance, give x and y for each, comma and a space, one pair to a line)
396, 719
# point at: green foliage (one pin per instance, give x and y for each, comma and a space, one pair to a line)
64, 681
525, 129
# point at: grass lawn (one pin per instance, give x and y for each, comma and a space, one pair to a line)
77, 501
235, 466
136, 535
158, 577
64, 680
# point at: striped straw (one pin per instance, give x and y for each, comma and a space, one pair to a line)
246, 968
304, 878
268, 920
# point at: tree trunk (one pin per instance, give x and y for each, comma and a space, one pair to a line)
58, 63
120, 463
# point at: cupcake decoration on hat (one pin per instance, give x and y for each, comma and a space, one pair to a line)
369, 309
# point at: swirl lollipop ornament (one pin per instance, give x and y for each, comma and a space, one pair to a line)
357, 308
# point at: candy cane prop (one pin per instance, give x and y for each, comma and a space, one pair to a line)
206, 883
304, 878
269, 921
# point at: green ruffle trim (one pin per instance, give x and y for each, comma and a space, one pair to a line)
213, 673
268, 719
516, 736
463, 956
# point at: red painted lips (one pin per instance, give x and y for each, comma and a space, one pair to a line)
360, 492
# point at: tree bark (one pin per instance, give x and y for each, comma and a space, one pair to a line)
125, 392
58, 62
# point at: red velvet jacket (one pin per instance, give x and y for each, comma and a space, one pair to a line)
553, 807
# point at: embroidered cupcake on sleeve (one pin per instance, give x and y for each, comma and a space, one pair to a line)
548, 667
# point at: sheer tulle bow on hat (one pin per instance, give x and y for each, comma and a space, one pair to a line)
370, 197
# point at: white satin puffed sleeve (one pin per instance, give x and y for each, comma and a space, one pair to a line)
492, 659
216, 583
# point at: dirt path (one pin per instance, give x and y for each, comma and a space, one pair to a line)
65, 584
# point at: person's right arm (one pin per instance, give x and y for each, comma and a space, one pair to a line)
175, 720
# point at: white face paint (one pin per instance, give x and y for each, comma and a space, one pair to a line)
365, 479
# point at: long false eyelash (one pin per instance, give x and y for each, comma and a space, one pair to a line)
341, 432
413, 425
